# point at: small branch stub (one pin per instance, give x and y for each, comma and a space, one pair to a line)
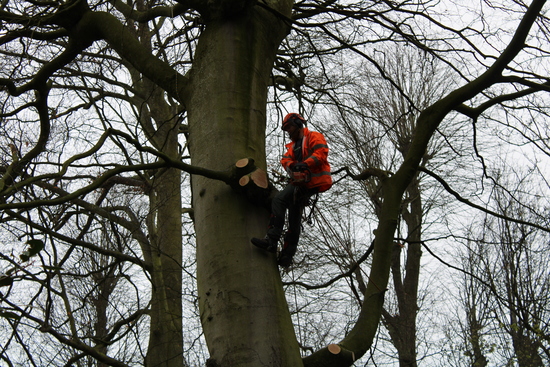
331, 355
253, 182
247, 172
334, 348
338, 350
241, 163
243, 181
259, 176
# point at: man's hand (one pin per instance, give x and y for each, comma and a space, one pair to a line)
300, 173
299, 167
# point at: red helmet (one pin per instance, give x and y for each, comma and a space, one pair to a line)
293, 118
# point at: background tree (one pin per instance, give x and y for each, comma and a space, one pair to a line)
505, 270
391, 115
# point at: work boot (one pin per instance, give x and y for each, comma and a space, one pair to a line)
289, 249
284, 260
271, 239
265, 243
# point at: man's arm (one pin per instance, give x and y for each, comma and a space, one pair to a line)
288, 159
318, 149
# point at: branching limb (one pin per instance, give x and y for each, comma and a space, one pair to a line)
475, 112
157, 11
106, 26
84, 244
365, 174
72, 341
244, 176
41, 77
457, 196
348, 273
32, 34
15, 168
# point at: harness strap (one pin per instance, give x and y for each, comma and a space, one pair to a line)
312, 204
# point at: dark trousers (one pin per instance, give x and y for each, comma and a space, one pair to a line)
294, 199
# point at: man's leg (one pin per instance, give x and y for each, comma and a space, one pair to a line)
292, 235
279, 205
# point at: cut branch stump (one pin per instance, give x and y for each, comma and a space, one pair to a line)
253, 182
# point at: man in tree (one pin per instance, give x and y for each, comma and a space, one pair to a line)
307, 165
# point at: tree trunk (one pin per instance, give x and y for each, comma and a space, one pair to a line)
165, 236
160, 124
479, 359
407, 289
244, 314
166, 336
525, 348
527, 351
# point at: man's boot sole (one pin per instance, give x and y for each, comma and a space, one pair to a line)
264, 245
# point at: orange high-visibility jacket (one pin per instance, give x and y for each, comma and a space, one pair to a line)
314, 153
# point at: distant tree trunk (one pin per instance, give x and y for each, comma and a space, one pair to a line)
165, 235
166, 337
474, 326
479, 359
402, 326
526, 350
160, 123
525, 347
105, 281
244, 314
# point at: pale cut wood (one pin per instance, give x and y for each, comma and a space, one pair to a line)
341, 352
334, 348
241, 163
243, 181
260, 178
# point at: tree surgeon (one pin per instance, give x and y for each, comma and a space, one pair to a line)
306, 163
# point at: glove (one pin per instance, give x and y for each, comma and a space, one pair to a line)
299, 167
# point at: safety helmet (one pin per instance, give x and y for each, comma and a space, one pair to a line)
293, 118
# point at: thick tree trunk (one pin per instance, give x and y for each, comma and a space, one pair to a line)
243, 309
